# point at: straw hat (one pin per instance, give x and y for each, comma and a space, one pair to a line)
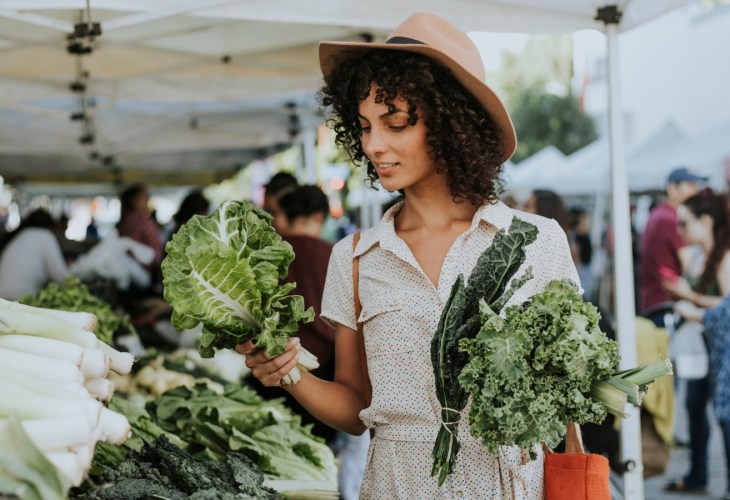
446, 44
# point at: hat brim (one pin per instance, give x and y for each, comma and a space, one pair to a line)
332, 53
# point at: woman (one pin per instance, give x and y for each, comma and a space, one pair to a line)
135, 221
416, 111
30, 257
704, 224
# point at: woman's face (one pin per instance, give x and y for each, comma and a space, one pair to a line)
694, 229
397, 150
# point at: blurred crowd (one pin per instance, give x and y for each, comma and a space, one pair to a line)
682, 273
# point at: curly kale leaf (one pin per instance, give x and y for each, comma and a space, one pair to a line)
531, 371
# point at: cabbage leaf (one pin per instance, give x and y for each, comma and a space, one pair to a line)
224, 270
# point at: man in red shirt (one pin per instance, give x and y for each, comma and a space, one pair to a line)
660, 243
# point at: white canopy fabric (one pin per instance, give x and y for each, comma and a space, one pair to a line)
188, 91
587, 171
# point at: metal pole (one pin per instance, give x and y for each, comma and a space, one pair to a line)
623, 266
309, 153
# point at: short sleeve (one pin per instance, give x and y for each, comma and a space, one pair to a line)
338, 302
562, 261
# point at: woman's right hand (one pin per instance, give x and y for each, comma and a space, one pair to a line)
270, 370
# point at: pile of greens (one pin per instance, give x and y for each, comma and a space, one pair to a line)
224, 270
73, 295
212, 425
162, 470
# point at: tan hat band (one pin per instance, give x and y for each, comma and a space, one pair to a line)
404, 40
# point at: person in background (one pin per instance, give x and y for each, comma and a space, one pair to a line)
194, 203
30, 257
704, 224
660, 244
416, 114
582, 246
280, 184
305, 210
548, 204
137, 223
716, 321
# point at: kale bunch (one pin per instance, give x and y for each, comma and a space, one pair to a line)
534, 369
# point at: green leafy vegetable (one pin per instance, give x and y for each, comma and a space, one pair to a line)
224, 271
163, 470
543, 364
212, 425
73, 295
460, 319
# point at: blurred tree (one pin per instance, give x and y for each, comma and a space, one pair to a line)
542, 119
536, 87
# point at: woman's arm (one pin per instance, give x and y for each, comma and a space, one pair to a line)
337, 404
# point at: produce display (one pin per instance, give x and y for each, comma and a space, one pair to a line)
73, 295
212, 421
530, 368
224, 270
53, 379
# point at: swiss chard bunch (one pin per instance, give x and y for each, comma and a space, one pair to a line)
460, 319
224, 270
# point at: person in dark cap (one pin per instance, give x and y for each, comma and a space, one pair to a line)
660, 244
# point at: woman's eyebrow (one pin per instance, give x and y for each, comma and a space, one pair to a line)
385, 115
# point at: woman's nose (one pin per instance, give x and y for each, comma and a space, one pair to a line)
373, 144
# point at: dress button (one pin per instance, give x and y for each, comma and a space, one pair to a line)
459, 493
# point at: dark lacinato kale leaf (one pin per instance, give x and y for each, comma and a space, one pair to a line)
163, 469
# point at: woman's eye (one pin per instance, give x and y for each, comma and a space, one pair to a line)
397, 128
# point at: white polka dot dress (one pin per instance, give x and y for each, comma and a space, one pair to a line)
400, 313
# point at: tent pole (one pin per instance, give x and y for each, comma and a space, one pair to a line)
309, 153
623, 264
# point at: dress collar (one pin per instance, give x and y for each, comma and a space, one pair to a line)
496, 214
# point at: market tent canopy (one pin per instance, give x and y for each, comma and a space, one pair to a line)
587, 171
187, 92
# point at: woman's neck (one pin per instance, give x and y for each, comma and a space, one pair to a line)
432, 211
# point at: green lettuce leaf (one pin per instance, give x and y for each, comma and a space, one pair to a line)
224, 271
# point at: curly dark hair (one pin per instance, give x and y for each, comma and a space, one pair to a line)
714, 205
462, 139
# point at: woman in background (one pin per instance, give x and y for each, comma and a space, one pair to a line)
30, 257
704, 224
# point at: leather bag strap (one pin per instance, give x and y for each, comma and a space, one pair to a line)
367, 387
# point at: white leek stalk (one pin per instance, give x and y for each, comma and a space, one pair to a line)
56, 369
101, 388
40, 325
55, 434
83, 320
121, 362
51, 348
